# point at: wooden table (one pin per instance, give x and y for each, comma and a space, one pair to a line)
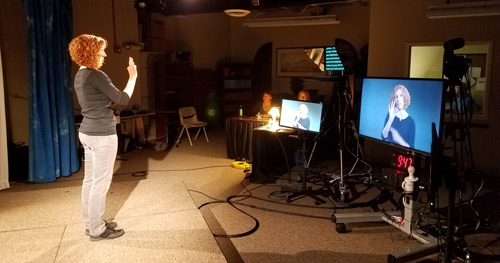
138, 132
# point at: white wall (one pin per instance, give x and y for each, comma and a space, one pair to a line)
206, 36
4, 161
14, 36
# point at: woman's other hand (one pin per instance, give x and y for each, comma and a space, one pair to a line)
398, 138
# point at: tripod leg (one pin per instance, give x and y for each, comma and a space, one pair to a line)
309, 193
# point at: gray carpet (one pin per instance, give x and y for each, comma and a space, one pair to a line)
155, 197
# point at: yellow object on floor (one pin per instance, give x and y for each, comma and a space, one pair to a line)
241, 165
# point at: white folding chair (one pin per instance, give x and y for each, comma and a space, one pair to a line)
189, 119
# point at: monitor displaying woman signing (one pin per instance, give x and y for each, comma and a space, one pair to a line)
401, 111
302, 115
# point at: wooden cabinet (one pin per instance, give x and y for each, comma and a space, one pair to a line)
235, 89
173, 89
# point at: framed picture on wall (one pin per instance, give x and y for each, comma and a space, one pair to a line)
300, 62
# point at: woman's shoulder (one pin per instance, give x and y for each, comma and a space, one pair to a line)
100, 72
409, 119
92, 71
97, 73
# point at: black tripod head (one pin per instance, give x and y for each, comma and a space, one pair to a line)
454, 66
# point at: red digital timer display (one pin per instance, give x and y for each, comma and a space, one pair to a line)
401, 161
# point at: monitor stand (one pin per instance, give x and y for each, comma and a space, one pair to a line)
305, 167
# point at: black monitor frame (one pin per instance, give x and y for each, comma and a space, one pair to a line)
412, 150
316, 121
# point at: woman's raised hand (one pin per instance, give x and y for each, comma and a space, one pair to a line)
393, 109
132, 68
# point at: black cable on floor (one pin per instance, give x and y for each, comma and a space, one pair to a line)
228, 201
257, 223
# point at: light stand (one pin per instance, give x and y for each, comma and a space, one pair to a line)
343, 86
344, 191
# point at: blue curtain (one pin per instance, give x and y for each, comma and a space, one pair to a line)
52, 141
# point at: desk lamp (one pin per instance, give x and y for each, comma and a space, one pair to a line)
275, 113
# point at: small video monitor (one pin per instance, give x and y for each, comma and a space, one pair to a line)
301, 115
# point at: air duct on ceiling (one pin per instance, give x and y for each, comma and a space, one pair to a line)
293, 21
469, 9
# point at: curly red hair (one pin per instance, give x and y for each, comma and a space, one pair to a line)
85, 50
406, 95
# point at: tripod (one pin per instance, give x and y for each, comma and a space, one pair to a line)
455, 167
455, 68
305, 166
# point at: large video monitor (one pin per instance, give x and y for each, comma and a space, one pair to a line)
400, 111
303, 115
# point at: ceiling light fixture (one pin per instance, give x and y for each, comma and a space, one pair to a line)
140, 5
469, 9
293, 21
237, 12
241, 8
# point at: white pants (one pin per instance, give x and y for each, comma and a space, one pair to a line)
100, 155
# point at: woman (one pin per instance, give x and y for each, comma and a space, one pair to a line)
301, 120
266, 105
96, 94
399, 126
304, 95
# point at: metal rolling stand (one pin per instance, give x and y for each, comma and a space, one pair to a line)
430, 244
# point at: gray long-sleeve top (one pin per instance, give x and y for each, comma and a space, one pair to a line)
96, 93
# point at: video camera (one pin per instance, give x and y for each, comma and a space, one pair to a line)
454, 66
